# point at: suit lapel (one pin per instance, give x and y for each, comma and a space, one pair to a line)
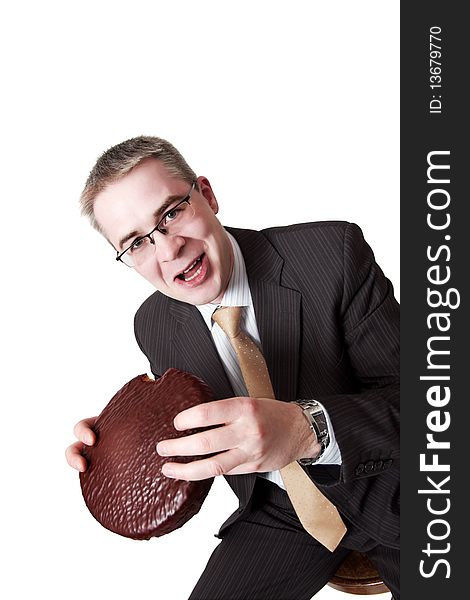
277, 311
196, 351
277, 315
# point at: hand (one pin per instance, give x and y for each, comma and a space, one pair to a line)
85, 434
253, 435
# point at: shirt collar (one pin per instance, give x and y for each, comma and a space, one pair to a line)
238, 290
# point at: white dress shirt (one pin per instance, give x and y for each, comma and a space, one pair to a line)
238, 294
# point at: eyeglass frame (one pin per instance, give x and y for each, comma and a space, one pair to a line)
157, 227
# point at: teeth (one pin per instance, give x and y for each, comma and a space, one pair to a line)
191, 266
195, 274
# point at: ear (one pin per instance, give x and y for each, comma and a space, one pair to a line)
206, 192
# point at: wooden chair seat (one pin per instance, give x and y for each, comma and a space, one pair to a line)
357, 575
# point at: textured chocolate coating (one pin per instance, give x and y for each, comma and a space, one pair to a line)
123, 486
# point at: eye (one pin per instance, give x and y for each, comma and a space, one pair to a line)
172, 215
138, 245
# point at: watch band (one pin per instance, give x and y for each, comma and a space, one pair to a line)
316, 418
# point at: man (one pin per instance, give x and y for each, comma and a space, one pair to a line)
326, 320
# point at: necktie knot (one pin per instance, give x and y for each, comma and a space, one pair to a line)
228, 319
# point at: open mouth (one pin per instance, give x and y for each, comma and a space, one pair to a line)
192, 271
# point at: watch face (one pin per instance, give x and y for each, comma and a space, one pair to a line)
316, 417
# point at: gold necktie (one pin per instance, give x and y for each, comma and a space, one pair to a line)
316, 513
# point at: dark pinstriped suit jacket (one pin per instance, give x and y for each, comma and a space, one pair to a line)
329, 328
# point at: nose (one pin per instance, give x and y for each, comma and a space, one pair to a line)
168, 247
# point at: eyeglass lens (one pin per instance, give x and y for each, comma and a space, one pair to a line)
174, 220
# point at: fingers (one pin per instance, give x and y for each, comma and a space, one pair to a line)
221, 442
73, 455
216, 412
226, 443
85, 434
204, 442
206, 468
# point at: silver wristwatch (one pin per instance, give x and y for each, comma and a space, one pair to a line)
316, 419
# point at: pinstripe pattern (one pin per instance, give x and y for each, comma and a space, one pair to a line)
328, 324
267, 555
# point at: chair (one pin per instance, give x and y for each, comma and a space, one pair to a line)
357, 575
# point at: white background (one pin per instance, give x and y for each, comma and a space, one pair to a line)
290, 110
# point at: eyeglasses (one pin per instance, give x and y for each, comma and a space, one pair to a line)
172, 222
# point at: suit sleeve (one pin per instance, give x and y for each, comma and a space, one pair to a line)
366, 424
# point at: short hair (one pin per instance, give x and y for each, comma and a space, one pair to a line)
118, 160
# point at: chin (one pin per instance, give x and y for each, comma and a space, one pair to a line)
198, 297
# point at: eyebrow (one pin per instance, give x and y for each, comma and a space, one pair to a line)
156, 215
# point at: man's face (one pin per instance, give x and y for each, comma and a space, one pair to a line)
131, 205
